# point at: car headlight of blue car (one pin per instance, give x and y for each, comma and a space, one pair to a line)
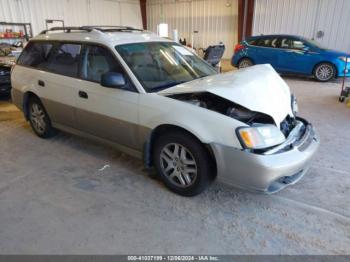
345, 59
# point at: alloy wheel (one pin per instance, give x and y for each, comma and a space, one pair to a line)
178, 165
245, 63
324, 72
37, 115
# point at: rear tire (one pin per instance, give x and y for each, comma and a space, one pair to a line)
183, 163
245, 62
324, 72
39, 119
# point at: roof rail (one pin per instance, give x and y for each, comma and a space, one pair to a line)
112, 28
102, 28
67, 29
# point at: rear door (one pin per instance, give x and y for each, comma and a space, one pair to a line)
52, 73
265, 51
108, 113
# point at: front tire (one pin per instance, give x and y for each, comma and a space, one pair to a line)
39, 119
245, 62
324, 72
183, 163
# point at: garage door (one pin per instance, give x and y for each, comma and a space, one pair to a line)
326, 21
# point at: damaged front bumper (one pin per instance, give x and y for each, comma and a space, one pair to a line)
273, 170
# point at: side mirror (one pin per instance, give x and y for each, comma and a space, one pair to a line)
112, 80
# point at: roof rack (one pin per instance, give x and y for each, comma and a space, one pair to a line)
113, 27
67, 29
102, 28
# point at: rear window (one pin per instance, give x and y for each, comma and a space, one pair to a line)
35, 54
60, 58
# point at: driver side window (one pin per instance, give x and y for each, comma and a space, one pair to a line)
289, 43
297, 44
96, 61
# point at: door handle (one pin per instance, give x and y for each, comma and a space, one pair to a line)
41, 83
83, 94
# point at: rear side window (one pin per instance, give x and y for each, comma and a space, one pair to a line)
64, 59
35, 55
286, 43
265, 42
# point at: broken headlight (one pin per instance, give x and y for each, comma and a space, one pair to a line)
260, 136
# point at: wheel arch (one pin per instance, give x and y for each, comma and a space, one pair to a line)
165, 128
245, 57
26, 98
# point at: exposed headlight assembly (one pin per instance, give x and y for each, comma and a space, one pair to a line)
344, 59
259, 137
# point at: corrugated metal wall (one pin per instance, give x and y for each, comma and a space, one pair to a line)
215, 20
306, 18
73, 12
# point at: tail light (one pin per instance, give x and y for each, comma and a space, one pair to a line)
238, 47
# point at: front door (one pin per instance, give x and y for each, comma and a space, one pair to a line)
296, 56
108, 113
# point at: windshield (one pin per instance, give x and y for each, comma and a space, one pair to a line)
160, 65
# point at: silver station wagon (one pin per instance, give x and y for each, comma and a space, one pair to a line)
154, 99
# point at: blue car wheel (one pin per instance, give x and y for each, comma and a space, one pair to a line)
324, 72
245, 62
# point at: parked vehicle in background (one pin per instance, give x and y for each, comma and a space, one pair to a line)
5, 79
156, 100
8, 55
292, 54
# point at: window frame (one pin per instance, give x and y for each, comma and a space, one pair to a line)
133, 73
129, 83
132, 87
33, 42
56, 44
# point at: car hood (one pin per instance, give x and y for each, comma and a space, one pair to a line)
335, 53
258, 88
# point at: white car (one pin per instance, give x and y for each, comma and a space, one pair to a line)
152, 98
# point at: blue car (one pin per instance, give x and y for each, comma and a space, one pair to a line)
292, 54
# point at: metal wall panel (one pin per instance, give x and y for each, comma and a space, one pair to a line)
215, 20
306, 18
73, 12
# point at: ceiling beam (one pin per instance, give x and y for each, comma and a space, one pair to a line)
245, 18
143, 6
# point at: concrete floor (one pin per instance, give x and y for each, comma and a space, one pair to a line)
58, 196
